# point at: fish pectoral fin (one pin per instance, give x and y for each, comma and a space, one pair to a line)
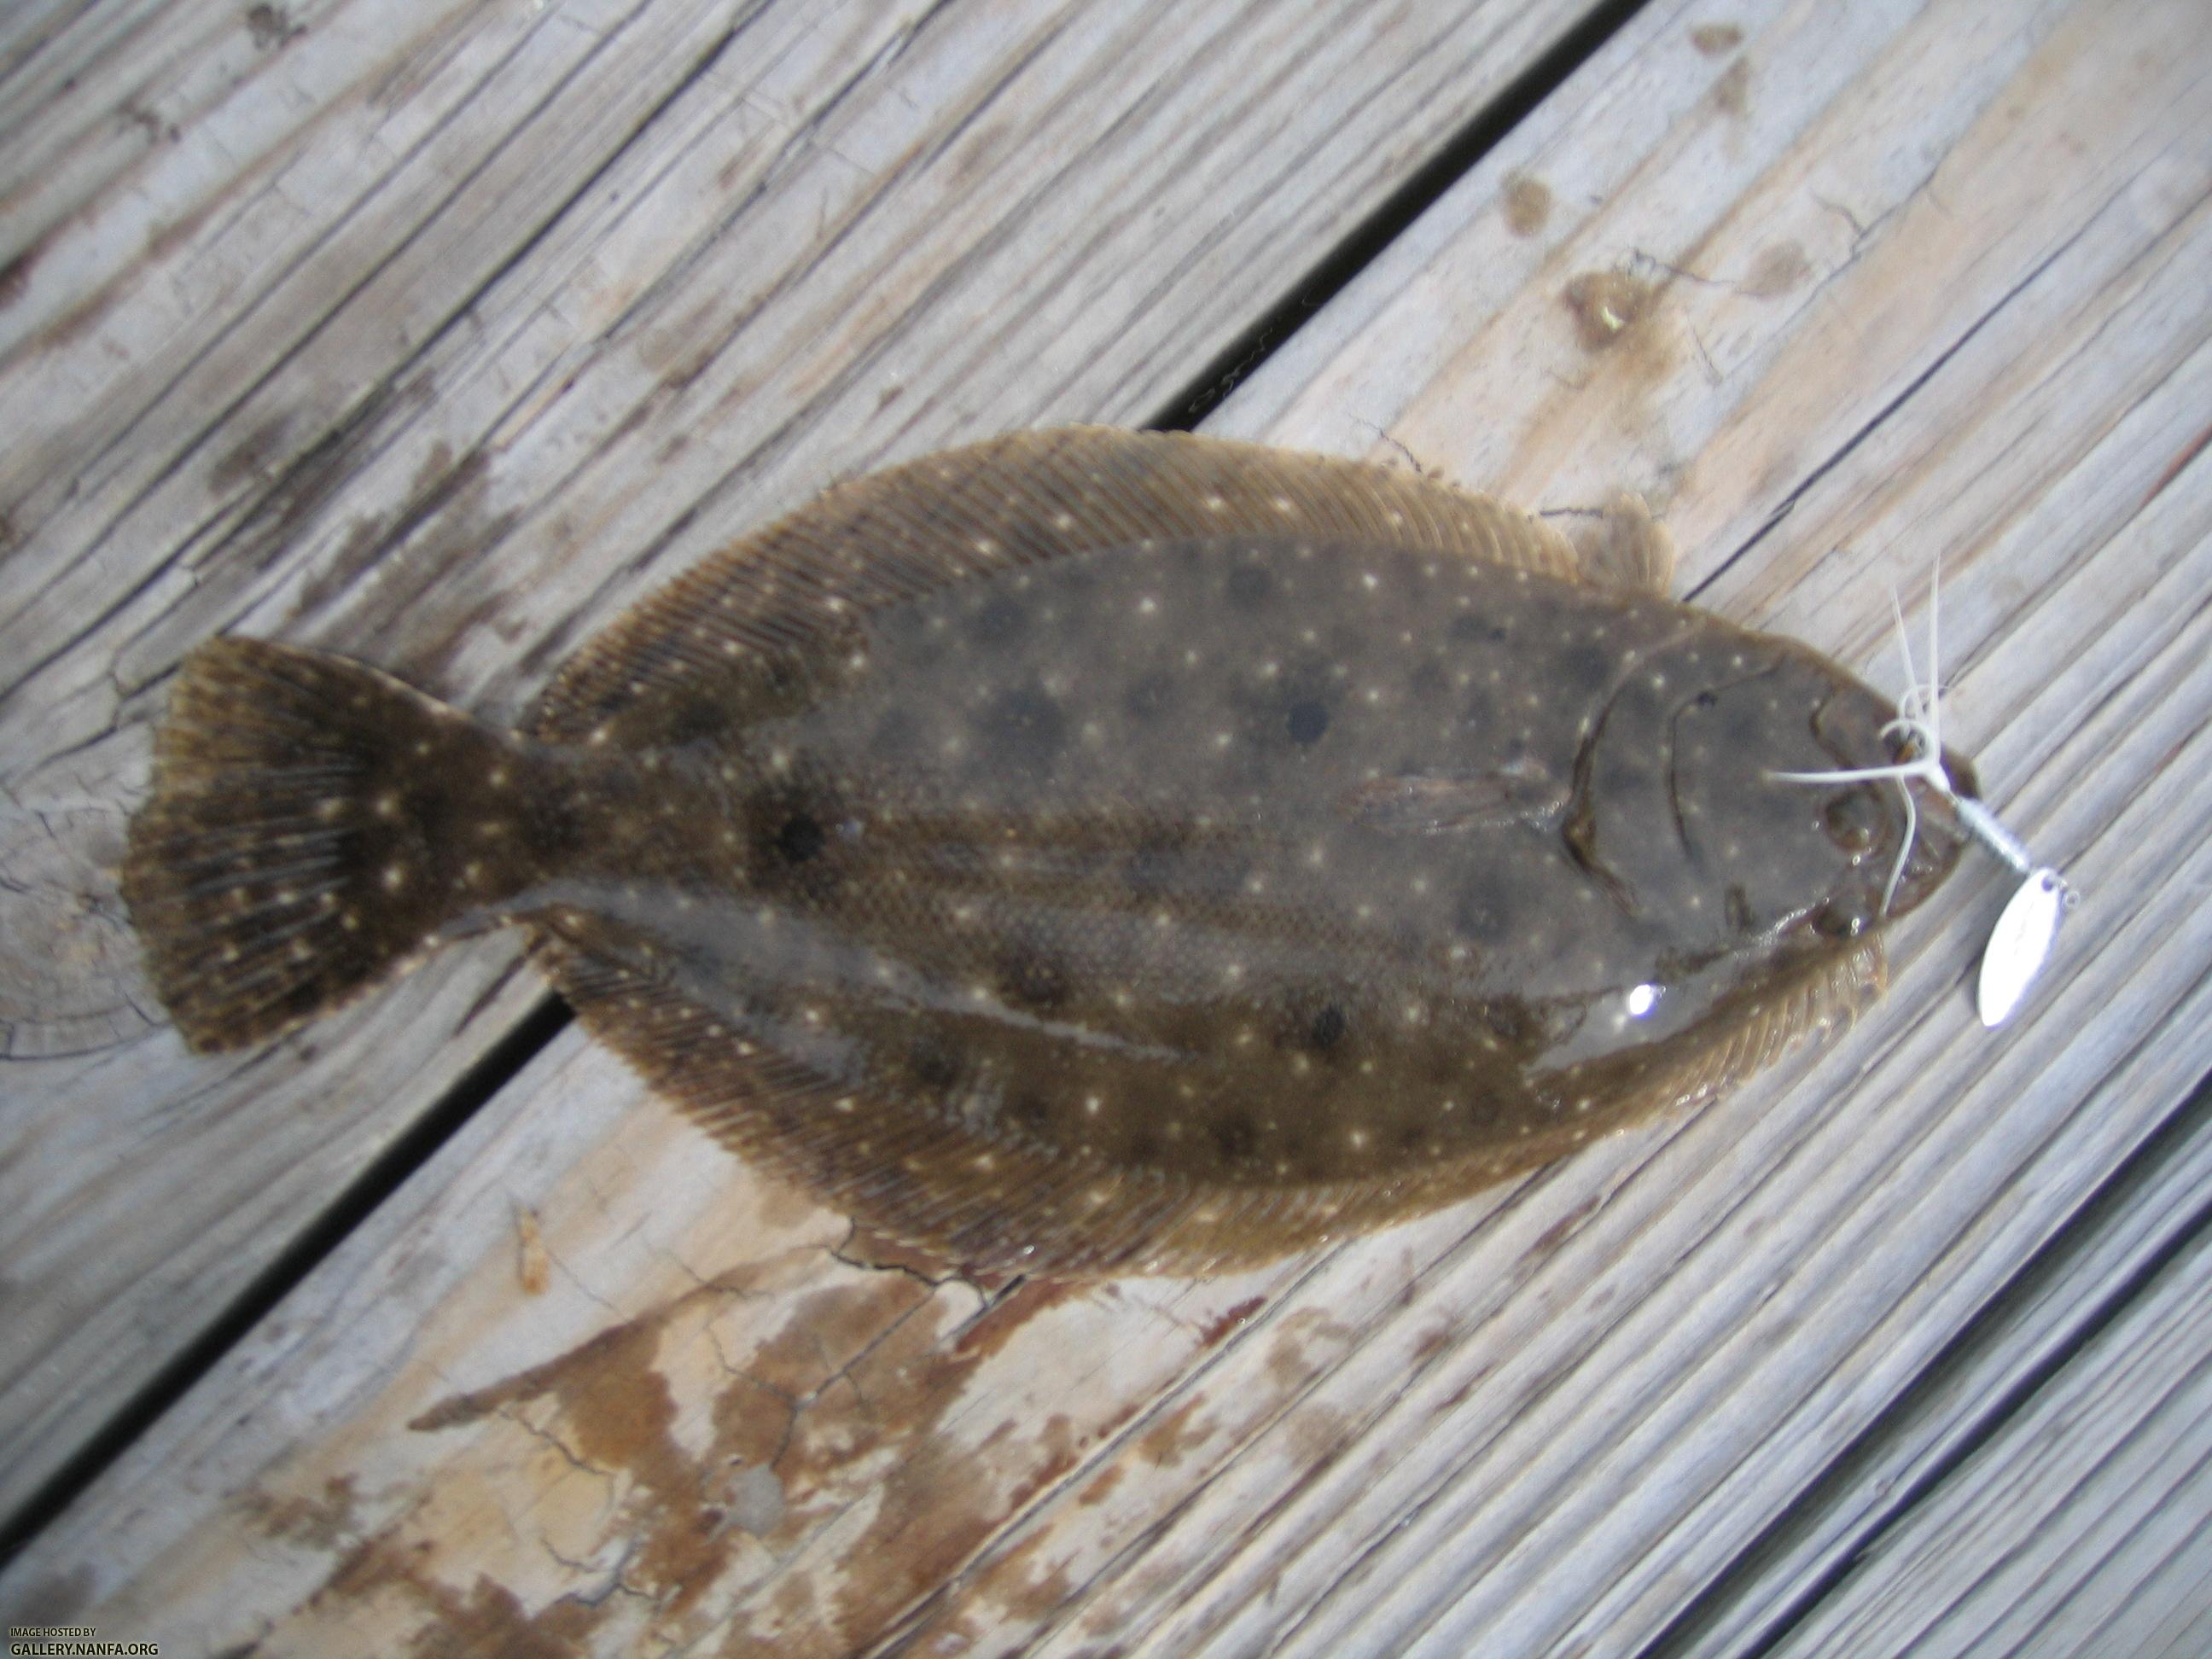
1442, 802
1627, 547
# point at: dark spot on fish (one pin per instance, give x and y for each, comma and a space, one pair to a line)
1035, 980
933, 1064
1249, 587
1472, 628
1024, 727
1233, 1135
1029, 1111
897, 735
1306, 721
697, 720
1483, 912
1585, 663
1000, 619
800, 839
1715, 39
1150, 696
1326, 1029
1429, 679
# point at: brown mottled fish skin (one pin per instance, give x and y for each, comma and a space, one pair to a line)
1090, 851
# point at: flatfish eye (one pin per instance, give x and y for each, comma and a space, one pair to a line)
1853, 820
1846, 916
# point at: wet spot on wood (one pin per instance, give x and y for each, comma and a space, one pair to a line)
1435, 1341
15, 276
1318, 1435
1605, 305
1528, 205
993, 1328
1732, 91
1560, 1231
755, 1500
1776, 271
255, 459
271, 27
1715, 40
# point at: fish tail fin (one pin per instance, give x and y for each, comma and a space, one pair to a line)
291, 854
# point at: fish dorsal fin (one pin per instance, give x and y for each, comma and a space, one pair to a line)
789, 592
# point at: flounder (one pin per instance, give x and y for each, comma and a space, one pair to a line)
1092, 851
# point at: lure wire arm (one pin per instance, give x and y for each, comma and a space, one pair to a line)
1920, 720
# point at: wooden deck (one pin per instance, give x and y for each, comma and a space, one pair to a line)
436, 331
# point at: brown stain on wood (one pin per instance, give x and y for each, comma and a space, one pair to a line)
488, 1620
1101, 1486
1607, 307
326, 1522
1217, 1329
1026, 1590
1716, 40
1163, 1444
2179, 464
990, 1330
1776, 271
616, 1411
1289, 1365
1528, 205
533, 1263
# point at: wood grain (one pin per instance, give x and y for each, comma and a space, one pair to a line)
436, 333
2082, 1528
584, 1385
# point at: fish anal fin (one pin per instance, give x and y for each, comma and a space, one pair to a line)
1024, 498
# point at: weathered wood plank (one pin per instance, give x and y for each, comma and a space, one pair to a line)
435, 334
2080, 1529
2057, 1306
583, 1385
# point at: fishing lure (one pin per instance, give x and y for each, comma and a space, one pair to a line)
2021, 942
1095, 851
